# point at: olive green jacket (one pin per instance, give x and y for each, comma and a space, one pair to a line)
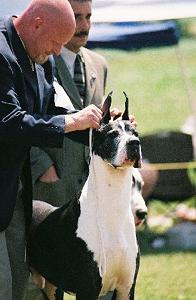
71, 162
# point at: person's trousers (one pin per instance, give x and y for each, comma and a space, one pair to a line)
14, 272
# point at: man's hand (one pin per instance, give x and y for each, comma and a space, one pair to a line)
133, 120
89, 117
49, 176
116, 113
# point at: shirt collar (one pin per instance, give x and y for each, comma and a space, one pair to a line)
69, 58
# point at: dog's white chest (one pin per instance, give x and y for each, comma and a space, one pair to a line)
107, 226
120, 264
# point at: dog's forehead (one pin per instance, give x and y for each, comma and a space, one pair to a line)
117, 128
123, 127
126, 125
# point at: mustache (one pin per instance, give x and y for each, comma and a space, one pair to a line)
82, 33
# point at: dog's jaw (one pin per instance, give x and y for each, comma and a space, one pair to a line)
126, 164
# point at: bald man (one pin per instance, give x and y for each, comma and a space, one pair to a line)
26, 93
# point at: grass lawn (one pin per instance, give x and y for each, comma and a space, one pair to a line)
158, 98
153, 80
167, 276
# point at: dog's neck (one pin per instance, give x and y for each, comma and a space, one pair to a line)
106, 222
107, 189
108, 180
108, 172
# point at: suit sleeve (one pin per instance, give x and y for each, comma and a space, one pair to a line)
16, 125
19, 127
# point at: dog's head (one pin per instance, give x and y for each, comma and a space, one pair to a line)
117, 141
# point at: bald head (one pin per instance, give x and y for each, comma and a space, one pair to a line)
45, 26
60, 10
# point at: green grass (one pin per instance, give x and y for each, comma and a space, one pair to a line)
167, 276
154, 83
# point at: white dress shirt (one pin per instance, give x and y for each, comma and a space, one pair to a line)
61, 97
69, 58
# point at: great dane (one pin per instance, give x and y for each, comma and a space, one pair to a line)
88, 247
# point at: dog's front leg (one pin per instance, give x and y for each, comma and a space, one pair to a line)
120, 296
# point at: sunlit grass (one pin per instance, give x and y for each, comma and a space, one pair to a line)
153, 80
167, 276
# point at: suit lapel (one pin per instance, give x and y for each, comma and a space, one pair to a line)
67, 82
91, 76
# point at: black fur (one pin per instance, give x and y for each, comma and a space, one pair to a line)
60, 256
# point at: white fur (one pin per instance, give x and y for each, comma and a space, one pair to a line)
106, 224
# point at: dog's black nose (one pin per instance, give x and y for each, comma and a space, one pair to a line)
133, 143
141, 214
133, 149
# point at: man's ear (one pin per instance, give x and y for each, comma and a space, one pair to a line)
106, 109
38, 22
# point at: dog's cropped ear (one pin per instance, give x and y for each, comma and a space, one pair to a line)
106, 109
125, 115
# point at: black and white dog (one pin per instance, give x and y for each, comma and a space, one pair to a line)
89, 246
